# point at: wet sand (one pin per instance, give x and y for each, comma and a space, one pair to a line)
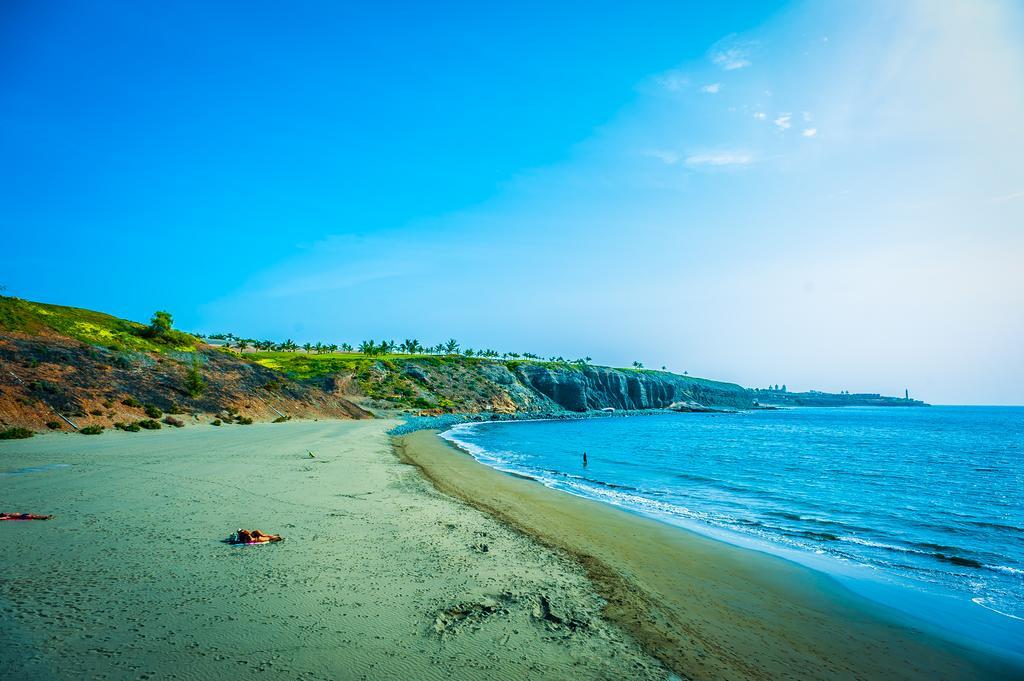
379, 577
706, 609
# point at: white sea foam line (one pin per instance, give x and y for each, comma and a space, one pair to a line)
981, 601
682, 514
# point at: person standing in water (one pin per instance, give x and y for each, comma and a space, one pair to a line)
584, 458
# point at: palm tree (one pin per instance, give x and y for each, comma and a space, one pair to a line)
333, 347
346, 347
368, 347
452, 346
468, 352
242, 344
638, 365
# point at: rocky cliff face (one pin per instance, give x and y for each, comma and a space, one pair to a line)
590, 388
461, 385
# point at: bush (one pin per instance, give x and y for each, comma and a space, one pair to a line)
149, 424
171, 421
16, 434
215, 422
108, 404
131, 402
96, 412
53, 425
174, 409
194, 383
129, 427
91, 430
243, 420
152, 411
281, 419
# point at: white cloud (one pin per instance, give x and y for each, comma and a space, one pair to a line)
1009, 197
730, 54
760, 115
666, 156
712, 88
672, 81
783, 122
809, 132
720, 158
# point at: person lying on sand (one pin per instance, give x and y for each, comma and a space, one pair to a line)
254, 537
23, 516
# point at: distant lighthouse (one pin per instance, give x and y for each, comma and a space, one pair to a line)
906, 394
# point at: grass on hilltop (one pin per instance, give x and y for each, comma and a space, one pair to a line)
94, 328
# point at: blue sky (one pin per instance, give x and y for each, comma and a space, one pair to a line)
823, 194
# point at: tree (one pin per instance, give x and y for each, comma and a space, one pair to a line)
783, 387
346, 347
468, 352
161, 323
638, 365
368, 348
452, 346
242, 344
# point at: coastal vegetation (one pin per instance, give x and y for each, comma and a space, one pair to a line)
16, 434
94, 328
56, 364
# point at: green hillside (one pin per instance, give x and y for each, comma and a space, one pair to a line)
94, 328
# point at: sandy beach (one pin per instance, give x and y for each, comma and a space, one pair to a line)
707, 609
379, 576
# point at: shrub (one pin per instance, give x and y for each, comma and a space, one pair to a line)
243, 420
16, 434
131, 402
91, 430
129, 427
152, 411
149, 424
53, 425
215, 422
281, 419
107, 404
194, 383
174, 409
96, 412
171, 421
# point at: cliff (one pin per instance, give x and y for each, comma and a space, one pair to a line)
460, 384
95, 369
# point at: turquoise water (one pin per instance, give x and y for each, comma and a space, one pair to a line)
920, 508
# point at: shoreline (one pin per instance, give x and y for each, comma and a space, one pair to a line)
705, 608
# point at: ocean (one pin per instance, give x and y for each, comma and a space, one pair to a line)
920, 508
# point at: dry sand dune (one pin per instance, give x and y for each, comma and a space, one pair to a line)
379, 576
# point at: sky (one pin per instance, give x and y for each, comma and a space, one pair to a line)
827, 195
